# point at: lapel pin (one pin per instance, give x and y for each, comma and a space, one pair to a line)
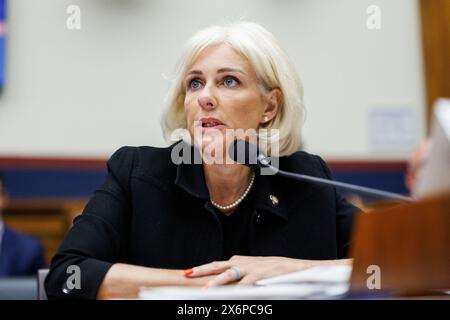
274, 200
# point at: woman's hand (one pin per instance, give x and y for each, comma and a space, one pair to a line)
125, 280
247, 270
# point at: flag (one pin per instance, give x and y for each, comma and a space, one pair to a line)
2, 41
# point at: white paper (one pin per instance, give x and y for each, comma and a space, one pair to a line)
322, 274
232, 292
315, 283
434, 177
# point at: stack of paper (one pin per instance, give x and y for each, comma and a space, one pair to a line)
337, 274
315, 283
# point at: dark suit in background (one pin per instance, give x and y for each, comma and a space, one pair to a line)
20, 255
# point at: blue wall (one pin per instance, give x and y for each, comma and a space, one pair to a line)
49, 183
80, 183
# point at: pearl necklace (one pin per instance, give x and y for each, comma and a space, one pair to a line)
238, 201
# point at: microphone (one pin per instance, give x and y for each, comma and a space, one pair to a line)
245, 153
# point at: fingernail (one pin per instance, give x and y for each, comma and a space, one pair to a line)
206, 286
188, 272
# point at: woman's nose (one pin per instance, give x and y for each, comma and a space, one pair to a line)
207, 101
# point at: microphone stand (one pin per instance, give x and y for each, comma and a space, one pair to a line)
264, 162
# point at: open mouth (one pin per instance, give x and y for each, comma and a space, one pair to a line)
210, 123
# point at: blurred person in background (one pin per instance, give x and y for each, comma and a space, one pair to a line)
415, 165
20, 254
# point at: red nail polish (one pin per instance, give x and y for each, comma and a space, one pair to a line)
188, 272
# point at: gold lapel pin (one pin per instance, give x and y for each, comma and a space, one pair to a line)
274, 200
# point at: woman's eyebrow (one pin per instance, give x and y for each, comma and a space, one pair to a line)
194, 72
221, 70
230, 70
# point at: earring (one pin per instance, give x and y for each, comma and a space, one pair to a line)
266, 118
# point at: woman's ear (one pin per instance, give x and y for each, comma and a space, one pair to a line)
273, 101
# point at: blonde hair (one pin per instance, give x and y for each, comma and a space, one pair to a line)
272, 66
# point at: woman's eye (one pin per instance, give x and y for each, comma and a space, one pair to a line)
230, 82
194, 84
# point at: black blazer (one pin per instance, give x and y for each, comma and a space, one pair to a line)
152, 212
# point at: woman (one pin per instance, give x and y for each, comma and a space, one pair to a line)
155, 215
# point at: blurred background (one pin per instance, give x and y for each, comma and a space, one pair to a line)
81, 78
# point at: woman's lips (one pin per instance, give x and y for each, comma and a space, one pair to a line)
211, 123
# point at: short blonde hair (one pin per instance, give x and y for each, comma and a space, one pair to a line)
273, 69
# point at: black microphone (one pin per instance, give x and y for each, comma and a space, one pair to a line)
246, 153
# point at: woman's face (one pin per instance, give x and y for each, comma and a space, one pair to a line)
222, 93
